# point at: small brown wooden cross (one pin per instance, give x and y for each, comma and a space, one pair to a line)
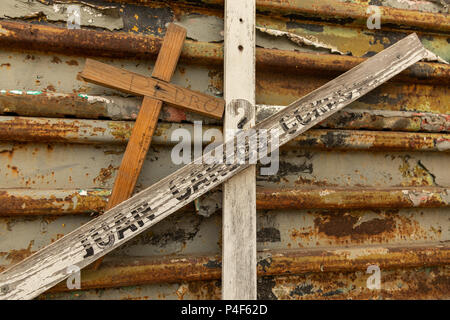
155, 90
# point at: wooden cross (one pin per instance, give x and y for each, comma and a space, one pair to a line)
155, 90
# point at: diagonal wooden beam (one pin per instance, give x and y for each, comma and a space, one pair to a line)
44, 269
157, 88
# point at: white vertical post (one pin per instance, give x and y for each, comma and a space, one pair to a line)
239, 193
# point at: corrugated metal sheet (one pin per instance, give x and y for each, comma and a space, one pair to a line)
369, 186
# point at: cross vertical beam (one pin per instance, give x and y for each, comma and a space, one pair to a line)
239, 193
146, 121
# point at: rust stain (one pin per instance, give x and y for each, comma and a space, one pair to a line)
58, 236
52, 206
50, 88
340, 225
104, 175
8, 152
119, 45
282, 88
13, 169
16, 256
173, 114
49, 219
56, 60
204, 290
30, 130
349, 198
98, 130
407, 283
117, 272
120, 131
72, 62
49, 105
343, 228
416, 173
313, 182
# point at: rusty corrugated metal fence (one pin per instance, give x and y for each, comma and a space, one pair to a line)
369, 186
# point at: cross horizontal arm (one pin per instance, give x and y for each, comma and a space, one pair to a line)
146, 121
130, 82
50, 265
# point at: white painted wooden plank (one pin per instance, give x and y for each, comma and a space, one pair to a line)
39, 272
239, 193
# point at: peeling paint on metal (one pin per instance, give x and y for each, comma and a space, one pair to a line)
300, 40
202, 27
58, 12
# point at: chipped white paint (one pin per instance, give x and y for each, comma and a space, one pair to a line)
325, 193
211, 29
369, 216
47, 267
419, 5
308, 40
433, 58
354, 253
417, 198
94, 99
239, 193
56, 8
443, 145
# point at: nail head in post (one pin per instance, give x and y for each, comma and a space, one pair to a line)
4, 289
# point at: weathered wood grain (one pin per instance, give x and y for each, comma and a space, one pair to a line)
130, 82
170, 52
147, 119
47, 267
239, 193
136, 150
